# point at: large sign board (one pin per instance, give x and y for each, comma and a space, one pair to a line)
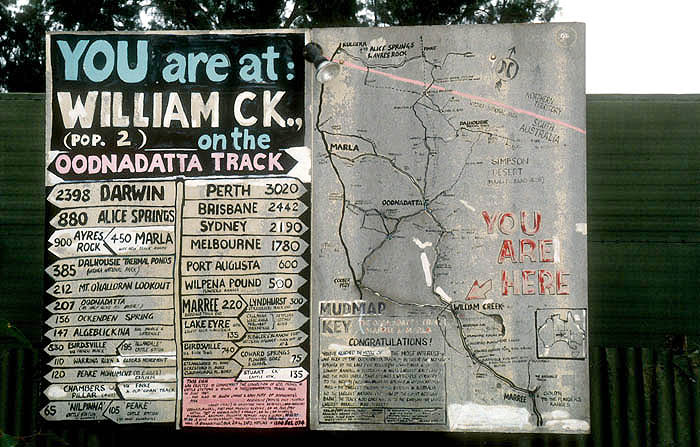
443, 286
449, 245
177, 183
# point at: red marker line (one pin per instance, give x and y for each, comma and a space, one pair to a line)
464, 95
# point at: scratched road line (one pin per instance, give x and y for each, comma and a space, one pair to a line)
464, 95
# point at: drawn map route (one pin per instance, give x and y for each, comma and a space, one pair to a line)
395, 222
458, 93
404, 186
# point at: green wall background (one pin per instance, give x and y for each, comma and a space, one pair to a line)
643, 216
643, 169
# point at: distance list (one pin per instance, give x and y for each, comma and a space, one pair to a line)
179, 301
243, 318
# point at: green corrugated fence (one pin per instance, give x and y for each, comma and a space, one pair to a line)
643, 191
639, 397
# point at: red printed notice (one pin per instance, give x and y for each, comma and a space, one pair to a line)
227, 403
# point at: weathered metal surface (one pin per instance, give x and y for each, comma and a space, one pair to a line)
449, 248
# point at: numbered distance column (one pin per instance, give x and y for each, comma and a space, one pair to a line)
111, 338
244, 302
